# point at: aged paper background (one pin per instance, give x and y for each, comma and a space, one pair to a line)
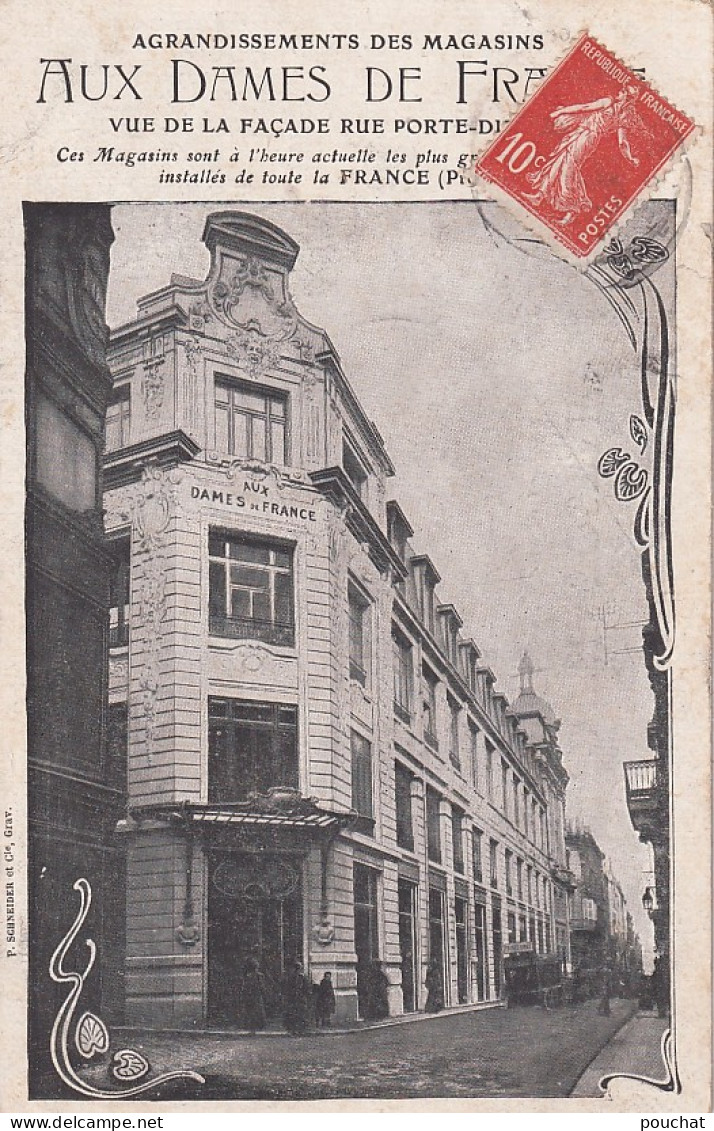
671, 41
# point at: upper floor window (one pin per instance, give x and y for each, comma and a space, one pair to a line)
504, 787
509, 872
433, 825
457, 836
251, 422
354, 469
117, 428
403, 798
493, 863
473, 742
529, 883
403, 676
519, 877
429, 682
476, 839
119, 592
251, 747
489, 747
526, 797
516, 801
454, 716
362, 800
359, 635
251, 589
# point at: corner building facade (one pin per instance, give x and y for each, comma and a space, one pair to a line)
319, 767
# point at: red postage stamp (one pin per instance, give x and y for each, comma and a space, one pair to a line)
584, 146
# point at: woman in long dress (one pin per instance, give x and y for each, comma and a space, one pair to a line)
559, 181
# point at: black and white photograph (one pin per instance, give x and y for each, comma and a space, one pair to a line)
350, 604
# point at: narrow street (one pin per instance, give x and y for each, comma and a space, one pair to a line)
525, 1051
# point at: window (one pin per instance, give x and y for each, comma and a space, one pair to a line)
251, 589
65, 458
117, 745
117, 427
526, 796
457, 838
519, 874
489, 768
534, 820
476, 841
473, 742
359, 636
366, 918
493, 863
509, 873
251, 747
433, 825
354, 470
403, 798
403, 678
119, 592
429, 707
251, 422
516, 802
504, 788
454, 715
362, 782
529, 886
511, 918
522, 929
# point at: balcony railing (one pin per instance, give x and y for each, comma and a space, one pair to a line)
248, 628
643, 793
641, 777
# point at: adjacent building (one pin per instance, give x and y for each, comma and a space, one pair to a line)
320, 768
75, 788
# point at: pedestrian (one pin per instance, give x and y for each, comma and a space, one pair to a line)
324, 1002
297, 1000
379, 991
253, 996
660, 985
435, 988
605, 991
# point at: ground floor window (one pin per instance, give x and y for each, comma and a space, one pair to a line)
462, 968
372, 983
497, 936
407, 895
437, 949
481, 952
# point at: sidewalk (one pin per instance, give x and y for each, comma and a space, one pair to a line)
278, 1030
635, 1049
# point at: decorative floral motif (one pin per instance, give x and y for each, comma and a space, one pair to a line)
638, 431
610, 461
128, 1064
91, 1035
641, 253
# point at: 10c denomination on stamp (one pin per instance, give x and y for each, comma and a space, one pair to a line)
584, 146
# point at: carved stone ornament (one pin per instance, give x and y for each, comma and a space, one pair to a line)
246, 292
323, 932
253, 352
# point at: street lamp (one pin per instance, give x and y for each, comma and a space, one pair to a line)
648, 900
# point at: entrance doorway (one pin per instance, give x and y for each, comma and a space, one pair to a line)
254, 912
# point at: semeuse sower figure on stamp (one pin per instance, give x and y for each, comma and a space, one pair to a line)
559, 182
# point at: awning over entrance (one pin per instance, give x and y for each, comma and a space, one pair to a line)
218, 816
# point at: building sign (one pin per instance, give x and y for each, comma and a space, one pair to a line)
254, 498
518, 948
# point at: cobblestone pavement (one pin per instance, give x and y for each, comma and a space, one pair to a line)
525, 1051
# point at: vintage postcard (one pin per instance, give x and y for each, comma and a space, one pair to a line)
356, 497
